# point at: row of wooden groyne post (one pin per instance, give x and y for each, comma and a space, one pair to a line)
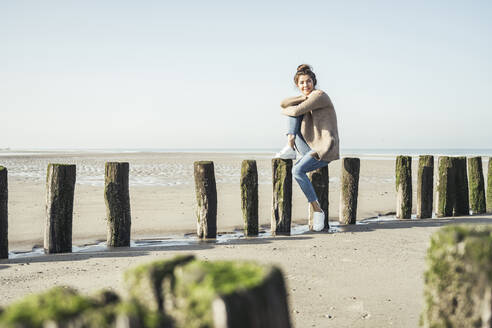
457, 193
460, 187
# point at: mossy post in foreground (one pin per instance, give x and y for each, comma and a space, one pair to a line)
260, 303
320, 181
227, 294
206, 198
458, 280
349, 190
446, 187
403, 187
179, 292
4, 214
282, 196
63, 306
117, 198
425, 186
60, 185
249, 197
462, 204
489, 186
477, 186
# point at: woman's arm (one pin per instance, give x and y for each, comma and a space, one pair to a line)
292, 101
317, 99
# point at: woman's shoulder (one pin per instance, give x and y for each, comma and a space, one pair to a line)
318, 93
321, 96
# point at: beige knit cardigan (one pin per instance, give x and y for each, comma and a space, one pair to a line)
319, 124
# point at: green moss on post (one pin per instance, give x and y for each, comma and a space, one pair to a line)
403, 187
206, 198
4, 214
458, 280
477, 187
117, 198
349, 190
64, 307
60, 185
282, 196
58, 304
249, 197
446, 187
462, 204
425, 186
489, 186
320, 181
229, 294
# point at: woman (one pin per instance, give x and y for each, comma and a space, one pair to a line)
312, 130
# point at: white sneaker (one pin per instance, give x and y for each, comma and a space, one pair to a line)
286, 153
318, 221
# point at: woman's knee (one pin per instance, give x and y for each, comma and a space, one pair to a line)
297, 172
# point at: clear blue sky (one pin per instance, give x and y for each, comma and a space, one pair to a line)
211, 74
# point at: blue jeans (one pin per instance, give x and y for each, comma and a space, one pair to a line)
307, 162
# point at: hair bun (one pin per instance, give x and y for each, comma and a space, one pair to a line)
303, 67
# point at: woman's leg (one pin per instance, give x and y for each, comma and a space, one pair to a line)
306, 164
294, 124
301, 145
294, 135
293, 129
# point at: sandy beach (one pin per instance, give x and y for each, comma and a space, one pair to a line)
368, 275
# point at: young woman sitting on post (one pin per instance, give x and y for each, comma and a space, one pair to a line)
312, 131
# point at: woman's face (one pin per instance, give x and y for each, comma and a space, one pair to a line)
305, 84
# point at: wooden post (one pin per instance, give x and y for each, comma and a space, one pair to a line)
477, 187
457, 280
206, 197
60, 185
320, 180
403, 187
117, 198
446, 187
264, 305
4, 214
249, 197
349, 190
282, 196
425, 186
489, 187
462, 204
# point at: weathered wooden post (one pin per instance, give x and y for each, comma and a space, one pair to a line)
4, 214
282, 196
477, 187
403, 187
60, 185
349, 190
462, 204
489, 187
446, 187
458, 284
256, 295
320, 181
425, 186
117, 198
249, 197
206, 197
